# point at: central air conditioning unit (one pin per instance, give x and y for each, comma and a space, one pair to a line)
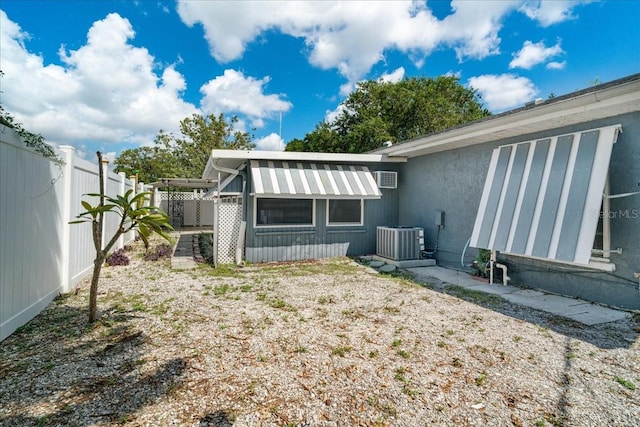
400, 243
386, 179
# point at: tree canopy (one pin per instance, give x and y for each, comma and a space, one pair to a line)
379, 111
185, 155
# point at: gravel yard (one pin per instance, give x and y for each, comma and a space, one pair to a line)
324, 343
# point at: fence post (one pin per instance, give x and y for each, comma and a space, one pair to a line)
68, 154
134, 184
105, 178
123, 190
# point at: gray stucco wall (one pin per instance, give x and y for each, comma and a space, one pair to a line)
322, 241
453, 181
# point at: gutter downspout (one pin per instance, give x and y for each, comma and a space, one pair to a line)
233, 173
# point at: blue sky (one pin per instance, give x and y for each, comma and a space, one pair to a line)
108, 75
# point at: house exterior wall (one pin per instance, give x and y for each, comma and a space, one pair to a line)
452, 181
267, 244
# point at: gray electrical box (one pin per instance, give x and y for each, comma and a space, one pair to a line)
440, 219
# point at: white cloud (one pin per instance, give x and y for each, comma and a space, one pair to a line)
106, 91
110, 156
556, 65
331, 115
533, 54
339, 35
473, 28
394, 76
271, 142
233, 92
549, 12
500, 92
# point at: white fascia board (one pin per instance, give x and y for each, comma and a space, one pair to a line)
590, 106
303, 156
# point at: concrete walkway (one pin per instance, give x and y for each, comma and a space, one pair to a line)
572, 308
182, 258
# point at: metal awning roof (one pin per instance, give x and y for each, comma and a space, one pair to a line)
312, 180
183, 182
542, 198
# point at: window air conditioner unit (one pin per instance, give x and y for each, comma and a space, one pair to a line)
386, 179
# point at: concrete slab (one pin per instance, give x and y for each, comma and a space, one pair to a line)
492, 289
387, 268
407, 263
596, 317
182, 257
571, 308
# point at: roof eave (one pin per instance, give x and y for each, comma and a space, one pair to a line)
301, 156
582, 107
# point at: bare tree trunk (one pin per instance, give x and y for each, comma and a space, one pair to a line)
96, 228
93, 293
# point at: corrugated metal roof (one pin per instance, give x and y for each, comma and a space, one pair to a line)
312, 181
542, 198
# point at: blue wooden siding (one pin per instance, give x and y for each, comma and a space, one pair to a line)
267, 244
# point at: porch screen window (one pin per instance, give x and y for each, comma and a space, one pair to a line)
542, 198
284, 212
344, 212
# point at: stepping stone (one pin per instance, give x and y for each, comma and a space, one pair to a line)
376, 264
387, 268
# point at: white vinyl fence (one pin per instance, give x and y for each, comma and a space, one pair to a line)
41, 254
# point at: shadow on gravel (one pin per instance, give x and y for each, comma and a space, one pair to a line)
619, 334
217, 419
111, 378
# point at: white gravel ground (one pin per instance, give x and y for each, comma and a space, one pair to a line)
325, 343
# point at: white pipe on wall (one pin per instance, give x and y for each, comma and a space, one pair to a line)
493, 263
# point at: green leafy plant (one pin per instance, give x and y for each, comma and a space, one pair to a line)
341, 350
134, 213
625, 382
33, 140
481, 263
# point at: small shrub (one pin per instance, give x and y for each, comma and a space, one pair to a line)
161, 251
205, 244
118, 257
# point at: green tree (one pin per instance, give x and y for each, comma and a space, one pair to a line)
200, 135
379, 111
148, 163
322, 138
186, 155
134, 213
